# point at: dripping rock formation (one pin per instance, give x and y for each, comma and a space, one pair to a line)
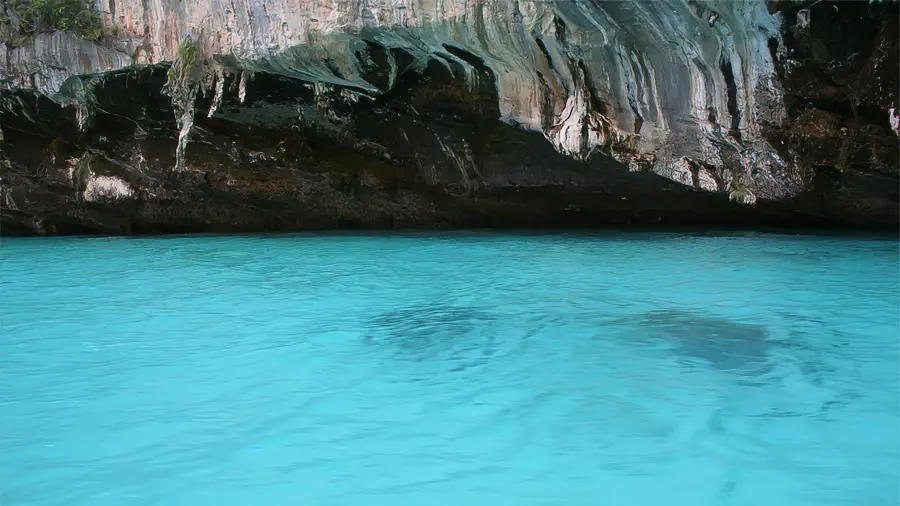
252, 115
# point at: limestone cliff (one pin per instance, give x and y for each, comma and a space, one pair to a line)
295, 114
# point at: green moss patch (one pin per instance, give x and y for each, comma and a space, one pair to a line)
22, 20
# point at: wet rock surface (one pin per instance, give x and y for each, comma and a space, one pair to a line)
783, 117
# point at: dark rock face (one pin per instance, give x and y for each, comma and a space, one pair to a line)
841, 80
282, 153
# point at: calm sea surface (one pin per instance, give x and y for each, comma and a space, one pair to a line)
450, 369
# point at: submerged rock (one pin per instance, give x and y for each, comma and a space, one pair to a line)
724, 344
262, 115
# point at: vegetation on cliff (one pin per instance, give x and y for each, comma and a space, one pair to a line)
182, 85
22, 20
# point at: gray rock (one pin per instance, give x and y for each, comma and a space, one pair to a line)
442, 113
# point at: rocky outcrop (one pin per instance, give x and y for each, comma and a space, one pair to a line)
287, 115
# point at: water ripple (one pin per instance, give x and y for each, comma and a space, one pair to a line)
453, 368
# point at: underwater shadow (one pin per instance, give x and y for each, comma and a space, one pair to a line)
726, 345
440, 334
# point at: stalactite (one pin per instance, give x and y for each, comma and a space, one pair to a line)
183, 84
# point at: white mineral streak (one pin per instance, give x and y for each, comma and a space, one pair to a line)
242, 87
217, 97
653, 67
106, 187
187, 122
894, 119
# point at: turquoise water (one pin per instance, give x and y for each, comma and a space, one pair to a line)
475, 369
